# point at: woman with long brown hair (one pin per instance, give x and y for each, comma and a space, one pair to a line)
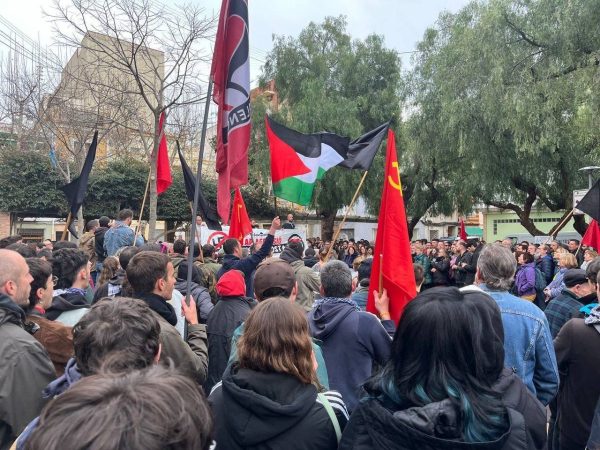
271, 398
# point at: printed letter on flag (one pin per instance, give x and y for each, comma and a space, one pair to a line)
231, 76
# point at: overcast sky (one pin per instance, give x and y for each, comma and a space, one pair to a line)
401, 22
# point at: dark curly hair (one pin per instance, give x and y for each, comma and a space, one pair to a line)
66, 263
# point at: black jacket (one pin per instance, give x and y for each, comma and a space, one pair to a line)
116, 283
376, 425
247, 265
255, 410
99, 245
440, 276
464, 276
225, 317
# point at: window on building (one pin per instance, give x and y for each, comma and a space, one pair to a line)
32, 234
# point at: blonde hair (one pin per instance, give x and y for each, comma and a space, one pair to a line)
276, 339
568, 260
109, 268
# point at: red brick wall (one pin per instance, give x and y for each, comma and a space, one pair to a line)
4, 224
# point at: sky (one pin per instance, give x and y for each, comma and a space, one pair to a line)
401, 22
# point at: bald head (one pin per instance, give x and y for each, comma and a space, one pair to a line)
14, 277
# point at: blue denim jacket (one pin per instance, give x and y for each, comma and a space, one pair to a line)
528, 346
120, 235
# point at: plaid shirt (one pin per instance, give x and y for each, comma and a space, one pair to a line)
562, 309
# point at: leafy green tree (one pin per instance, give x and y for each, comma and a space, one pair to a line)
505, 101
328, 82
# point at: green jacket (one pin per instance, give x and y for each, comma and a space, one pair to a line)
423, 260
308, 281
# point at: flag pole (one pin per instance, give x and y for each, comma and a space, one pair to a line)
196, 233
380, 287
337, 233
197, 193
67, 225
138, 227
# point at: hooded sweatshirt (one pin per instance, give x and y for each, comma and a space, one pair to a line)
112, 287
352, 342
228, 314
255, 410
68, 306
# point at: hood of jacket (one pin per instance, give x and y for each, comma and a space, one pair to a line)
10, 312
261, 406
181, 286
433, 426
231, 284
65, 381
326, 316
290, 255
86, 237
66, 302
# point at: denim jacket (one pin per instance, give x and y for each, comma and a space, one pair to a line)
528, 346
120, 235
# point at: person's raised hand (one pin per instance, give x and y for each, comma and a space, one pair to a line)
276, 224
189, 312
382, 304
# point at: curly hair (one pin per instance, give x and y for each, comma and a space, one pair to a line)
66, 263
276, 339
117, 334
109, 268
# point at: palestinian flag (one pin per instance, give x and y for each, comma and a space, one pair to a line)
298, 160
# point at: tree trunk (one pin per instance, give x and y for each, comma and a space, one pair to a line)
171, 227
327, 224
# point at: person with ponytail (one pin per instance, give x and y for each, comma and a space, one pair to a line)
445, 386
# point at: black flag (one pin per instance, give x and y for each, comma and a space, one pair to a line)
362, 150
207, 213
75, 191
590, 203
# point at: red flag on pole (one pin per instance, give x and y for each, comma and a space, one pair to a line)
591, 238
392, 246
239, 225
230, 72
462, 234
163, 166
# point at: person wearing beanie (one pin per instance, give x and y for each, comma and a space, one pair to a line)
309, 281
230, 311
566, 305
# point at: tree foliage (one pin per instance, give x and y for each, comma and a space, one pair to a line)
505, 105
30, 186
328, 82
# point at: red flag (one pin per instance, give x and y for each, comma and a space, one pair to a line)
230, 72
163, 166
591, 238
462, 233
240, 224
392, 246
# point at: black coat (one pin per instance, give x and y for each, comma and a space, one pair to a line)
376, 425
225, 317
99, 243
464, 276
441, 275
255, 410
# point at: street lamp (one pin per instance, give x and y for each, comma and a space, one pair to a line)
590, 170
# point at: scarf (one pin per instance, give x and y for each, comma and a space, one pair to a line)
594, 318
160, 306
333, 300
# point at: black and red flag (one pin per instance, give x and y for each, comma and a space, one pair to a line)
230, 72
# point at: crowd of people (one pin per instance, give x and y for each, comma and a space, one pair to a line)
104, 344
